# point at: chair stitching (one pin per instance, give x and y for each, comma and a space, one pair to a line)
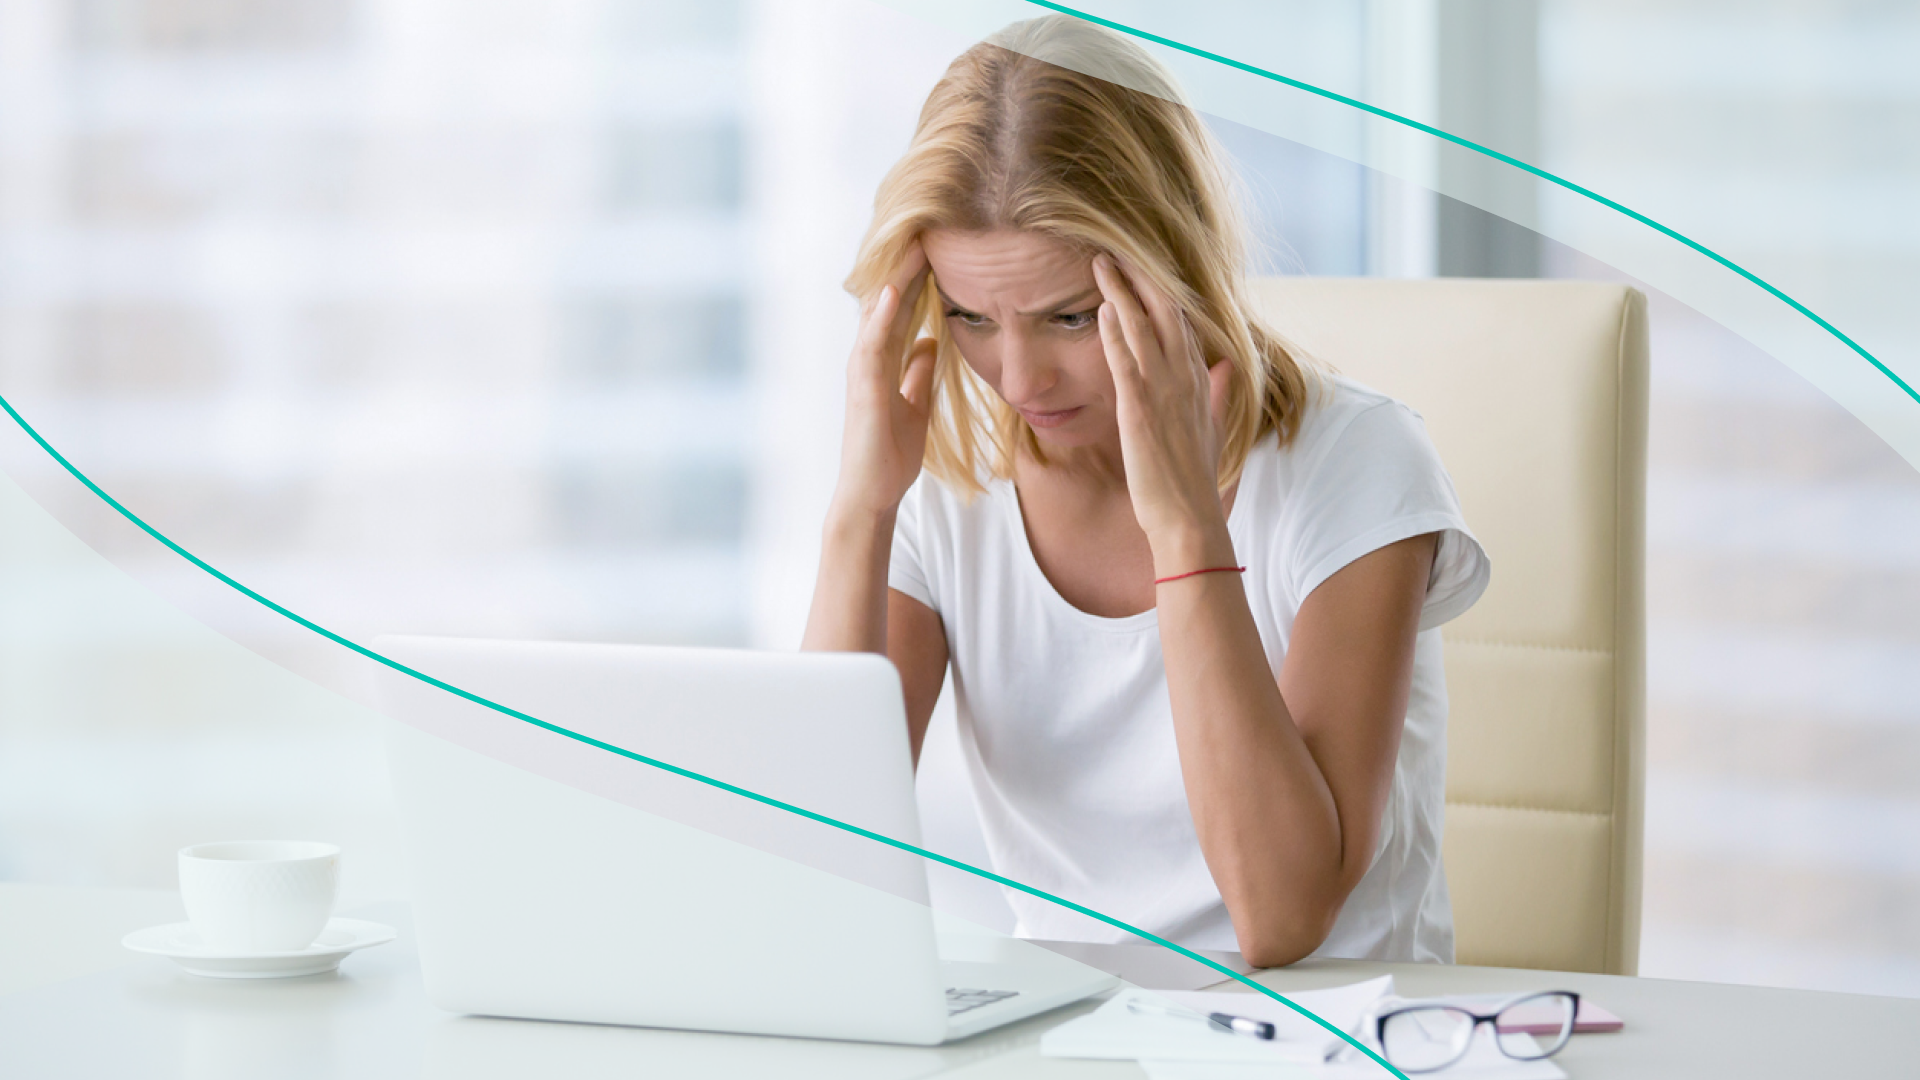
1529, 809
1529, 645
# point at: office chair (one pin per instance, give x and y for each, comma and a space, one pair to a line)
1535, 393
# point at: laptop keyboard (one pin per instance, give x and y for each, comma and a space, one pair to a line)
960, 1000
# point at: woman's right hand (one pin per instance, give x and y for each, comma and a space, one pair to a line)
889, 398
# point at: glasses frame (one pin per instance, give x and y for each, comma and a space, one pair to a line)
1380, 1029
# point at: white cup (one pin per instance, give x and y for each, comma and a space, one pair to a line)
259, 896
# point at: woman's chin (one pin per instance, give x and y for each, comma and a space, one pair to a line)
1072, 436
1072, 429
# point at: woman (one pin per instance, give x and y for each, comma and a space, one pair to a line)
1188, 590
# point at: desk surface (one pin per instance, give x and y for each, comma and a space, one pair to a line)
72, 1004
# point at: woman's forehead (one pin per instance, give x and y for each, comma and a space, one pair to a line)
1006, 268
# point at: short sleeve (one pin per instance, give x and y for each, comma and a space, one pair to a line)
1380, 481
907, 566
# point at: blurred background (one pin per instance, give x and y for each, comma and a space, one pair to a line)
505, 318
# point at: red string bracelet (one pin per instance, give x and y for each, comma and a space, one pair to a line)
1208, 570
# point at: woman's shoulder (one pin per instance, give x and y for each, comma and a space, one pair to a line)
1342, 412
1361, 473
938, 529
940, 504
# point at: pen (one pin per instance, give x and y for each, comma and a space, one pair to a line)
1219, 1021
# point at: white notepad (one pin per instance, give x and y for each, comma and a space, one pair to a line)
1170, 1048
1115, 1031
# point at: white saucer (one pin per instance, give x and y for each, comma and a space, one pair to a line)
180, 943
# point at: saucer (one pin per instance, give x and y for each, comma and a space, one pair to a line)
180, 943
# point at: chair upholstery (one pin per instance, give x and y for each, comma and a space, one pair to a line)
1535, 393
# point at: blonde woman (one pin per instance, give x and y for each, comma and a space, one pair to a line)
1066, 436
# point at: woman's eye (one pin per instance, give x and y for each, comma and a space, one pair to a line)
1078, 320
967, 318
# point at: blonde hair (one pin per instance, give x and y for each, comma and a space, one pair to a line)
1021, 133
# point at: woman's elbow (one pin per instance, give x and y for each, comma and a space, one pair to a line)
1279, 939
1268, 949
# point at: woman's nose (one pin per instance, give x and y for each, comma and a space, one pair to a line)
1025, 370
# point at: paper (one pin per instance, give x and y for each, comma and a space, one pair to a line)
1483, 1061
1172, 1048
1114, 1031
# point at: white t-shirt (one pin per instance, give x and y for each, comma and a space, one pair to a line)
1064, 717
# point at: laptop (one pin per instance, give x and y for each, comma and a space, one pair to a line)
662, 860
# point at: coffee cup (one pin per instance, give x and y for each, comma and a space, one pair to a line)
259, 896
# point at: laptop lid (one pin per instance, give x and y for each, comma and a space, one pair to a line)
557, 877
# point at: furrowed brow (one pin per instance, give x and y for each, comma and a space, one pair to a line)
1069, 302
949, 301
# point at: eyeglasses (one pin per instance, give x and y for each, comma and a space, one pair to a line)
1426, 1038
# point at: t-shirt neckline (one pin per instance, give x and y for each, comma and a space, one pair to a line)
1139, 622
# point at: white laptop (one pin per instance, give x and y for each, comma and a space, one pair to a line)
554, 878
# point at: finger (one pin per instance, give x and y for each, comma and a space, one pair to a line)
912, 269
1169, 322
1129, 316
1118, 291
869, 350
1113, 341
909, 281
917, 386
880, 312
875, 315
1171, 330
1114, 288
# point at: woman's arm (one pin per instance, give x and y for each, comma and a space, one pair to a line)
854, 611
889, 401
1286, 778
849, 611
917, 645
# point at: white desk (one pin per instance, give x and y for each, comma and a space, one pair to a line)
73, 1005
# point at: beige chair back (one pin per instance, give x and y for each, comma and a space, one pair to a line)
1535, 393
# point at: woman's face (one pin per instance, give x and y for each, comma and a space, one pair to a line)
1022, 308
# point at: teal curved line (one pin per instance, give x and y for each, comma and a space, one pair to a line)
1495, 154
663, 765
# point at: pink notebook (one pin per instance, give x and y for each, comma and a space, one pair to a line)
1539, 1019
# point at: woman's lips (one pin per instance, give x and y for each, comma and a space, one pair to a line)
1050, 419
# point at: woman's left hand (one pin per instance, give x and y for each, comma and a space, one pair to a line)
1170, 403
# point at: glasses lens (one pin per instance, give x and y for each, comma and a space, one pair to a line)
1537, 1026
1422, 1039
